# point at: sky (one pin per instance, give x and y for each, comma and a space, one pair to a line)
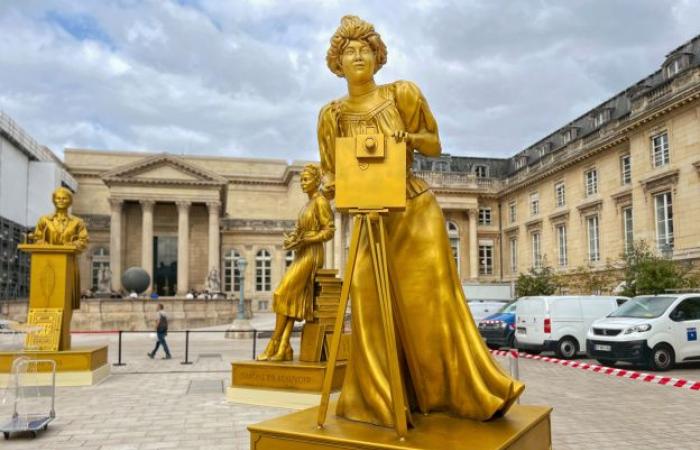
247, 78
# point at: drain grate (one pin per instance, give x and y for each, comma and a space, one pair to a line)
210, 356
197, 387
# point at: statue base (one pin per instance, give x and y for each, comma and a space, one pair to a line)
287, 384
523, 428
80, 366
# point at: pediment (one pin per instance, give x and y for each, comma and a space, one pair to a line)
162, 169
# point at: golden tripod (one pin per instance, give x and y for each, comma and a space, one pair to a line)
371, 220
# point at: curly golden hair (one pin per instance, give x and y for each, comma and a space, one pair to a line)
352, 28
314, 170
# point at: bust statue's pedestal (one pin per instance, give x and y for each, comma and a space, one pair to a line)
53, 291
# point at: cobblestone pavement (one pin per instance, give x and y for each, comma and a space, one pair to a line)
152, 404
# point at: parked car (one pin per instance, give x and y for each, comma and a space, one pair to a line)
560, 323
658, 331
481, 309
499, 329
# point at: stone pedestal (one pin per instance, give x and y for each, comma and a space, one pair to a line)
523, 428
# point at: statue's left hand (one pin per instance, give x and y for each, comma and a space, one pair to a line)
403, 136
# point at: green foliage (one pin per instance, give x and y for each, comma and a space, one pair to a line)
585, 280
540, 281
647, 273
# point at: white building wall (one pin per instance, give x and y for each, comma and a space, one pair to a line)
14, 175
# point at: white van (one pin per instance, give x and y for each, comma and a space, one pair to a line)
559, 323
656, 330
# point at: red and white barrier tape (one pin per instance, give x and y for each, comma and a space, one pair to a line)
622, 373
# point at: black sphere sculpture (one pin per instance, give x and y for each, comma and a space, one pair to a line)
135, 279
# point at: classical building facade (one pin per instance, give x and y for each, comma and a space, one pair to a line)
627, 170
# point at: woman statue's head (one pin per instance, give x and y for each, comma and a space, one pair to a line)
62, 198
355, 40
310, 178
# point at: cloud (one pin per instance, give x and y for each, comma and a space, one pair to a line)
248, 78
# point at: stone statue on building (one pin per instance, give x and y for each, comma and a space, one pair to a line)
213, 282
104, 280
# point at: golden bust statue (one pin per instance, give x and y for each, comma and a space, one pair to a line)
293, 298
445, 364
61, 228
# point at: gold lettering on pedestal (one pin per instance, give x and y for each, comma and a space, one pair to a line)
48, 329
273, 378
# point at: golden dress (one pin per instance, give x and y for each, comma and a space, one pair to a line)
294, 295
445, 364
56, 229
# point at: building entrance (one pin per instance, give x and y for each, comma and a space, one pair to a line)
165, 265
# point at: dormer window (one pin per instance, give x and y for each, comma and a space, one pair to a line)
569, 135
676, 64
601, 116
520, 161
481, 171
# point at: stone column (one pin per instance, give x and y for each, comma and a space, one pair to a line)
183, 247
214, 238
147, 239
473, 245
115, 242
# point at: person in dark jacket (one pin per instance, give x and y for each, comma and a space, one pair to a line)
161, 332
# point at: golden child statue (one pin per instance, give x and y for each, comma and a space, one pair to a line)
447, 367
293, 298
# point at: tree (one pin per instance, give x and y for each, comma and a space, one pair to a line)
540, 281
586, 280
647, 273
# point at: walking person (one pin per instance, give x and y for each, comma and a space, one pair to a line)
161, 332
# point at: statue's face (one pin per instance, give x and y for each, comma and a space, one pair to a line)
308, 182
61, 200
358, 62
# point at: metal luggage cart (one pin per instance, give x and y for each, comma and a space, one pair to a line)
32, 392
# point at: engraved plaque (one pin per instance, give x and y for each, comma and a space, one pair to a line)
48, 334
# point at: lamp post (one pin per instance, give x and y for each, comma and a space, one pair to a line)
241, 327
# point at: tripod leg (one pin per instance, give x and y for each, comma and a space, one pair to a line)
358, 223
392, 356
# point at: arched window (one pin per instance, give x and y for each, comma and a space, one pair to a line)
288, 258
263, 271
100, 260
453, 235
232, 275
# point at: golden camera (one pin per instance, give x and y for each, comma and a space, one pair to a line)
370, 173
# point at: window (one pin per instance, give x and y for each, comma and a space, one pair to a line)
453, 235
288, 258
560, 194
688, 309
536, 250
512, 212
625, 169
263, 271
664, 221
100, 261
601, 117
232, 275
513, 255
484, 216
591, 178
534, 204
520, 161
674, 67
481, 171
563, 251
485, 259
593, 239
263, 305
659, 150
627, 230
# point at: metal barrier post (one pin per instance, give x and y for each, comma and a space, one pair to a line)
187, 348
255, 340
119, 352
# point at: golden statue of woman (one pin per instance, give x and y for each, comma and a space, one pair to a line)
293, 298
446, 366
61, 228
